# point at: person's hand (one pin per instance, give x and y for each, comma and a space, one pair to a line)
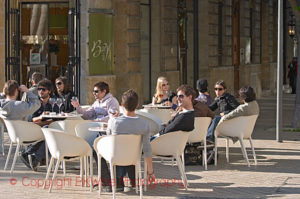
222, 114
167, 103
113, 113
75, 103
151, 177
23, 88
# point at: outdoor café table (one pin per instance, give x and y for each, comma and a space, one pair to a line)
160, 111
61, 116
151, 106
101, 130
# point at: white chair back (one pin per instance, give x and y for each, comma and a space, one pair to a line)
61, 144
199, 133
83, 132
67, 125
122, 150
23, 130
153, 121
170, 144
163, 114
237, 127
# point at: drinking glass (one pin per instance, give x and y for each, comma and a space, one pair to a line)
59, 102
74, 99
52, 102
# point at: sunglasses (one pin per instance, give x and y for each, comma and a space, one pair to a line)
59, 83
95, 91
165, 84
42, 89
180, 96
219, 89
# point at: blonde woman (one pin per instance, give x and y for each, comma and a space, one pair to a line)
163, 95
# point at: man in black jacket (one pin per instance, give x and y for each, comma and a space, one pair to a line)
184, 119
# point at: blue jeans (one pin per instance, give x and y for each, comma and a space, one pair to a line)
210, 136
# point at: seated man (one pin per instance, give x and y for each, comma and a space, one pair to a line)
35, 79
35, 154
129, 123
184, 119
105, 103
18, 110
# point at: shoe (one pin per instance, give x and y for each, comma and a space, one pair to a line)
34, 163
24, 159
211, 157
127, 189
103, 188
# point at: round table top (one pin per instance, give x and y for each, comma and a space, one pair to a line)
97, 129
158, 106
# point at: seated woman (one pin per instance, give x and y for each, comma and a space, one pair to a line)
202, 87
225, 103
163, 95
63, 91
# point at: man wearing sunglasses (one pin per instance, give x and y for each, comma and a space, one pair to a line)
184, 119
105, 103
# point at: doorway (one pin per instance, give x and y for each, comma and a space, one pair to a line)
49, 33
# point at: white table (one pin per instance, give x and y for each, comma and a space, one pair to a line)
2, 113
100, 130
147, 106
61, 116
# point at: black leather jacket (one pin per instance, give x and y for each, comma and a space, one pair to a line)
226, 103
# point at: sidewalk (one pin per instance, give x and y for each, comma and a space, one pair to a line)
276, 175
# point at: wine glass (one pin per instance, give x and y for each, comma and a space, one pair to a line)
74, 99
59, 102
52, 102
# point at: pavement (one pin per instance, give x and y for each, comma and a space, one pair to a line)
277, 174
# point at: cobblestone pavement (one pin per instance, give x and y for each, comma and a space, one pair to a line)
277, 174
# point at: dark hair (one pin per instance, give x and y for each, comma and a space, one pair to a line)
130, 100
202, 85
65, 82
46, 84
247, 93
10, 87
188, 90
222, 83
102, 86
37, 77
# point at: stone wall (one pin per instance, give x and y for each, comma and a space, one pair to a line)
2, 44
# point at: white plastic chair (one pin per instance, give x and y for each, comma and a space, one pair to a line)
163, 114
170, 144
63, 145
153, 121
121, 150
21, 133
83, 132
199, 135
239, 127
2, 136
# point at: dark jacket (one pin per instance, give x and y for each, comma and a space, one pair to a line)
226, 103
202, 110
66, 106
180, 122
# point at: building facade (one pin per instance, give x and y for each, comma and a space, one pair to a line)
130, 43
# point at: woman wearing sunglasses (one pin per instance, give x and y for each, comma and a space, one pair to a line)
163, 95
63, 91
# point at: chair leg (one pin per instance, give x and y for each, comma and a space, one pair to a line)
253, 151
48, 171
99, 174
140, 179
204, 156
8, 155
227, 150
183, 176
64, 167
81, 171
15, 157
244, 151
54, 174
145, 175
112, 176
91, 172
47, 155
216, 150
182, 158
2, 138
85, 170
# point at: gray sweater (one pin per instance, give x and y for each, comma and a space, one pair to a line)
20, 110
247, 109
131, 125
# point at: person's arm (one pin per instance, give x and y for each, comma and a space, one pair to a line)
184, 122
214, 105
154, 100
150, 174
112, 104
30, 106
232, 102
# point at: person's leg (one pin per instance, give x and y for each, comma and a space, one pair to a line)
131, 174
211, 129
121, 172
105, 174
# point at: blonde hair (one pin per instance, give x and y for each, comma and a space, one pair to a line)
159, 89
